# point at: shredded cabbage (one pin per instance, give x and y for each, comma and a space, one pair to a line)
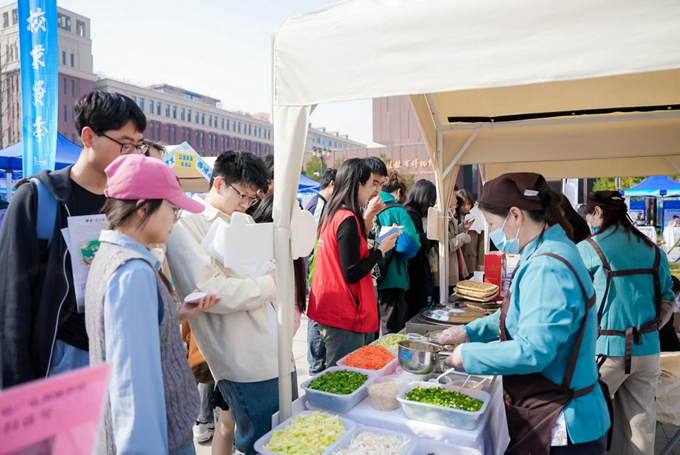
367, 443
308, 434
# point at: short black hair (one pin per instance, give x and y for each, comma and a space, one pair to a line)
269, 162
241, 167
327, 178
376, 165
106, 111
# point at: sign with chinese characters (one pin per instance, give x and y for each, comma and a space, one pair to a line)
413, 165
59, 415
39, 83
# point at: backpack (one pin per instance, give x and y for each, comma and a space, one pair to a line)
46, 212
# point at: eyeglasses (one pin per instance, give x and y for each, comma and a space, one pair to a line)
252, 200
128, 149
176, 210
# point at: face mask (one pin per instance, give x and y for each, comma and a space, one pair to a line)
501, 241
593, 230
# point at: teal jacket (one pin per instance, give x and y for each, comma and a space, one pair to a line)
630, 302
544, 320
408, 244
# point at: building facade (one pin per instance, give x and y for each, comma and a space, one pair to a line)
76, 71
174, 115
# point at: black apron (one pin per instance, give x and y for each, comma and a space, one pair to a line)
532, 401
631, 334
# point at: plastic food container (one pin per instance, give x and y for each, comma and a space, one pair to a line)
440, 415
456, 379
384, 371
349, 425
384, 400
334, 402
346, 441
430, 446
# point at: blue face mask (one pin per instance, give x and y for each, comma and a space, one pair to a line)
501, 241
594, 230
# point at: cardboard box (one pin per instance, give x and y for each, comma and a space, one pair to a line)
495, 269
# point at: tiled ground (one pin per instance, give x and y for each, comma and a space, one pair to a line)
663, 432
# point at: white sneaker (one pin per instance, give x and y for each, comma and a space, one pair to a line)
203, 431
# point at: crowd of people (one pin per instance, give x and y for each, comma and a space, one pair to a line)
580, 325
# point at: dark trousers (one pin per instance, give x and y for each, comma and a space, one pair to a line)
393, 310
417, 298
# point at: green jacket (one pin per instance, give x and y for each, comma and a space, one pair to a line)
396, 275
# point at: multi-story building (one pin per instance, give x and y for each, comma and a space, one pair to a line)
174, 114
76, 70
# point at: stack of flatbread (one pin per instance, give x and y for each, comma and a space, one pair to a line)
476, 291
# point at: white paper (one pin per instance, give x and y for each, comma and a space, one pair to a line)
83, 232
240, 241
478, 225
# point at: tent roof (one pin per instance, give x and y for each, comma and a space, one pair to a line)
11, 158
495, 66
654, 187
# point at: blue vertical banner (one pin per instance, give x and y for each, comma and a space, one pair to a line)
39, 83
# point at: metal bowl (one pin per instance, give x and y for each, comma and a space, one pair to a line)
418, 357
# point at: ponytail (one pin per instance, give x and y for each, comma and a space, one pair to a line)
552, 212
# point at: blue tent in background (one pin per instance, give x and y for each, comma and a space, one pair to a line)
654, 187
307, 185
67, 154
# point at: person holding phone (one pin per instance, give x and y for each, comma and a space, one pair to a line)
342, 300
132, 319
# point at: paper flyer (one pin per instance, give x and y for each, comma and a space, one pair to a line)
84, 234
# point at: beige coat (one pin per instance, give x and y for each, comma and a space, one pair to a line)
473, 252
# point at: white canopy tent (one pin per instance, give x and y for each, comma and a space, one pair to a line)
568, 89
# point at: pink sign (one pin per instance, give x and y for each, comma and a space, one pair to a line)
59, 415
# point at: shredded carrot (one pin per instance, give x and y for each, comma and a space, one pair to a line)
369, 358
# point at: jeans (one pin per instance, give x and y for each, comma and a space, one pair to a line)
340, 342
205, 391
252, 406
316, 352
67, 358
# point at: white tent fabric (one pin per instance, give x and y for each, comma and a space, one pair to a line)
596, 86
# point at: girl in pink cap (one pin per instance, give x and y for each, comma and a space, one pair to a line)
132, 317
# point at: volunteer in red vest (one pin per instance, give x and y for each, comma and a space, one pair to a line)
342, 299
635, 298
547, 326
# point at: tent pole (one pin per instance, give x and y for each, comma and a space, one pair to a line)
443, 228
8, 180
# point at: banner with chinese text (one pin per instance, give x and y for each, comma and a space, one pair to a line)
39, 49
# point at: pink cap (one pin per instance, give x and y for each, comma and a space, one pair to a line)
133, 177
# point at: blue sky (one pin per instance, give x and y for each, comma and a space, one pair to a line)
216, 47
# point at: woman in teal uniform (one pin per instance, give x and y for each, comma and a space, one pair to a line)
634, 298
547, 325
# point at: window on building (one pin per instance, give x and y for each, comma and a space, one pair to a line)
188, 115
239, 127
174, 111
5, 20
65, 113
63, 58
73, 87
209, 120
167, 132
227, 123
202, 120
80, 28
64, 84
196, 120
158, 108
73, 60
222, 122
15, 17
141, 103
150, 106
134, 98
167, 110
183, 114
73, 114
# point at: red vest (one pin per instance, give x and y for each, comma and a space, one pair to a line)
332, 301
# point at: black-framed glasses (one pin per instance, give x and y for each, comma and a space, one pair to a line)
252, 200
128, 149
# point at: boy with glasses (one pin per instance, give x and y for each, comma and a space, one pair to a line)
42, 332
237, 337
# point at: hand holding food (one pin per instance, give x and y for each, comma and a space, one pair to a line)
453, 336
